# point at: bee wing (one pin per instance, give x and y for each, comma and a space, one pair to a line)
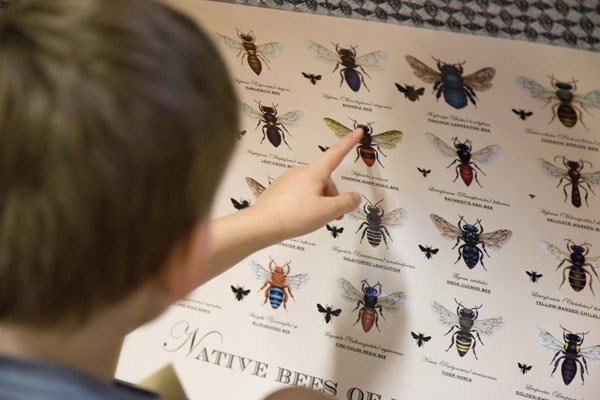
548, 342
447, 230
422, 71
414, 335
349, 292
358, 214
481, 80
488, 327
495, 240
233, 45
297, 281
589, 100
486, 155
592, 177
388, 139
555, 251
249, 111
441, 146
234, 289
337, 128
591, 353
445, 316
291, 118
270, 49
391, 302
595, 261
336, 312
256, 188
322, 54
534, 89
551, 169
374, 61
401, 88
394, 218
259, 272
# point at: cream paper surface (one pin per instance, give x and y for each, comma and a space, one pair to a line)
224, 348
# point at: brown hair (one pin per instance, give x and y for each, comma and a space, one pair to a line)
116, 120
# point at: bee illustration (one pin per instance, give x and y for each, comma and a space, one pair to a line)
420, 338
241, 134
323, 148
247, 48
464, 157
277, 282
410, 92
472, 238
372, 300
522, 113
329, 312
370, 145
429, 252
312, 77
335, 231
424, 171
576, 259
566, 101
534, 276
524, 368
240, 205
273, 125
240, 293
568, 351
449, 80
374, 221
374, 61
532, 196
573, 176
466, 323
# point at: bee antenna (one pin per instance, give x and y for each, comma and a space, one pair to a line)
369, 201
477, 308
435, 59
461, 63
238, 31
273, 261
374, 205
564, 329
555, 157
459, 303
586, 161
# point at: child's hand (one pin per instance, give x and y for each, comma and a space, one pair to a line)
305, 198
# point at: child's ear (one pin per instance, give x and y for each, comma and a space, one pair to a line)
183, 269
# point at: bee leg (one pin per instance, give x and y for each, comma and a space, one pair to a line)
481, 258
470, 95
554, 107
562, 262
357, 153
243, 56
588, 272
438, 94
478, 337
475, 175
586, 191
457, 168
359, 316
581, 369
564, 275
264, 59
452, 341
556, 364
581, 115
592, 268
264, 132
337, 65
362, 79
459, 253
483, 247
283, 137
586, 368
565, 190
342, 75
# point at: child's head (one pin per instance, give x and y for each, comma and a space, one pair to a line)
116, 121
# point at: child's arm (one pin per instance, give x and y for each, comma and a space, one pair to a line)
302, 200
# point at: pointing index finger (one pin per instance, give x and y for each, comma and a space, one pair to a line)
336, 153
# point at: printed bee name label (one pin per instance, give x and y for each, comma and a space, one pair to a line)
275, 159
297, 244
273, 324
466, 199
198, 305
563, 139
456, 121
452, 371
357, 104
352, 344
369, 180
255, 86
466, 283
361, 258
567, 219
566, 305
291, 246
535, 393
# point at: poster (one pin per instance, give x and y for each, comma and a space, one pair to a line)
470, 270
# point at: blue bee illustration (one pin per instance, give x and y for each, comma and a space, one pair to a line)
277, 282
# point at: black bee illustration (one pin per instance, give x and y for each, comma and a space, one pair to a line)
240, 293
329, 312
573, 177
564, 98
429, 252
241, 134
424, 171
522, 113
472, 238
372, 300
312, 77
420, 338
449, 80
534, 276
532, 196
240, 205
524, 368
464, 156
247, 49
410, 92
323, 148
274, 126
335, 231
374, 221
466, 323
568, 351
577, 259
351, 64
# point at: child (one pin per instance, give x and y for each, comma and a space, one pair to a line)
117, 119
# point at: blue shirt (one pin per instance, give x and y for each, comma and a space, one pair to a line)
23, 379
